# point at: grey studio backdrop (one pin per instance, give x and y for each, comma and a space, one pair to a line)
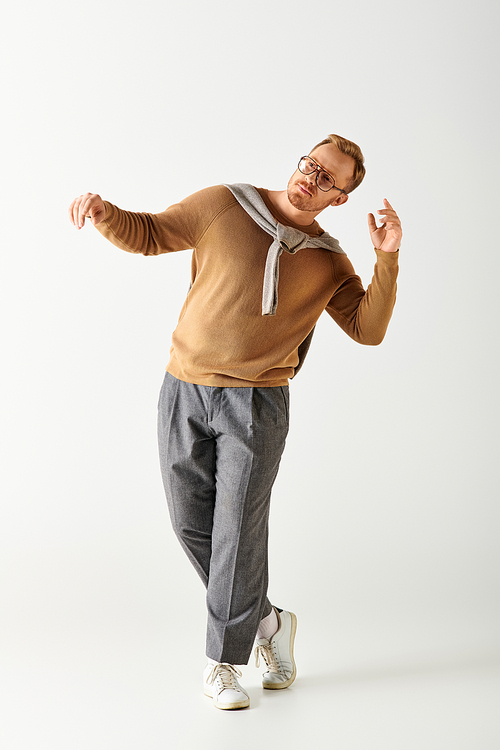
384, 524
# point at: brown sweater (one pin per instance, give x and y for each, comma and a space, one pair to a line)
222, 338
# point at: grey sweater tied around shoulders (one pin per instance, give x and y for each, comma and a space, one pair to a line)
285, 239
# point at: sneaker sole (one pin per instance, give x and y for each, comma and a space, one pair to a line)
287, 683
228, 706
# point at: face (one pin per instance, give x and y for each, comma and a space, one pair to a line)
305, 195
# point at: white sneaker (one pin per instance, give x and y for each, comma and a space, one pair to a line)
277, 653
220, 683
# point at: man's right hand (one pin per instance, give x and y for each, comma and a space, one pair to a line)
89, 205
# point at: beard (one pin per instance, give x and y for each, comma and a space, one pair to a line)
300, 201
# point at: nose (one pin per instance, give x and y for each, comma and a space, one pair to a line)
311, 178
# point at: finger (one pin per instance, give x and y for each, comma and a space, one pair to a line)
85, 207
388, 212
387, 203
388, 217
76, 212
372, 224
80, 217
70, 212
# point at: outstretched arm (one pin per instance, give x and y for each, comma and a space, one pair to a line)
179, 227
127, 230
149, 234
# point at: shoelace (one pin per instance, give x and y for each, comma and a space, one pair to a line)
267, 653
227, 675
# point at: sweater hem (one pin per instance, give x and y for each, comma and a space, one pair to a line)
219, 380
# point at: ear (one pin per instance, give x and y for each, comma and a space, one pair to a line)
339, 200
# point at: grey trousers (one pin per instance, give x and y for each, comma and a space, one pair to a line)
220, 450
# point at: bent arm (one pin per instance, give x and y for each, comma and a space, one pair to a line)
365, 315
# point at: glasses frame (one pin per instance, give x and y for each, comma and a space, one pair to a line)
318, 169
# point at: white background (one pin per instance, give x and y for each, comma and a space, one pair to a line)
384, 535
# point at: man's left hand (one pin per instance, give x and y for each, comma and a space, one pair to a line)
388, 236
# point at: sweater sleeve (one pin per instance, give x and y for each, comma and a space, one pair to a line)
365, 315
177, 228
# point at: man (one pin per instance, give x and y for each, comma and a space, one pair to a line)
262, 273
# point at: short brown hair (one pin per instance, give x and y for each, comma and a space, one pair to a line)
349, 149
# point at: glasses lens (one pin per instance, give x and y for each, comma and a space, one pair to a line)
325, 182
306, 166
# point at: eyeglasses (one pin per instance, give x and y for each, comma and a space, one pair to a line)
324, 181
